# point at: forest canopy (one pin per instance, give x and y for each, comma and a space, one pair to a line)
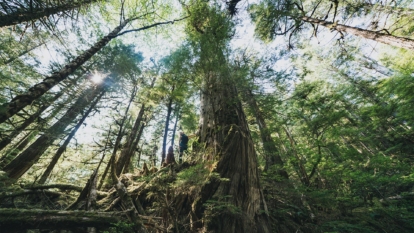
206, 116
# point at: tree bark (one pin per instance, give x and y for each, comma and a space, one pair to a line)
62, 148
167, 123
16, 168
138, 138
175, 127
400, 42
225, 133
30, 13
236, 202
128, 149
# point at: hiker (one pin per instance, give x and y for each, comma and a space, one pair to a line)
183, 141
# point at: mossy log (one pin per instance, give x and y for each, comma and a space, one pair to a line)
12, 220
40, 188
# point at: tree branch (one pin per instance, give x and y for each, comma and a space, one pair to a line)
150, 26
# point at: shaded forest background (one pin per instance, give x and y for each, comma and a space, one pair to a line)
299, 112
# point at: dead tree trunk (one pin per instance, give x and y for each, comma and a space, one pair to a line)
17, 167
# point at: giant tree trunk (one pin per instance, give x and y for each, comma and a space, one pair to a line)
62, 148
225, 135
384, 38
271, 151
225, 132
16, 168
29, 13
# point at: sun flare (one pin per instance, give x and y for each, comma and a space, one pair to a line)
97, 78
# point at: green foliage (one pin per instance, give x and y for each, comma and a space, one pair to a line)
222, 205
121, 227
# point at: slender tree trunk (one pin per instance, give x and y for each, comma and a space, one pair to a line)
117, 140
269, 145
303, 175
28, 121
128, 162
384, 38
175, 126
16, 168
103, 156
62, 149
21, 54
167, 124
128, 149
10, 154
30, 13
7, 110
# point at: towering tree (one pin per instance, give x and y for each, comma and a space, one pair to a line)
223, 128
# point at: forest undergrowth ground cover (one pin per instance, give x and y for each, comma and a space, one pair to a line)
165, 201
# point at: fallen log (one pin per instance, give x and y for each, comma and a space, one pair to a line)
12, 220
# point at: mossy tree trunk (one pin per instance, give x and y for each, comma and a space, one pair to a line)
235, 201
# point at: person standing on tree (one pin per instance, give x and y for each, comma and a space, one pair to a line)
183, 141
